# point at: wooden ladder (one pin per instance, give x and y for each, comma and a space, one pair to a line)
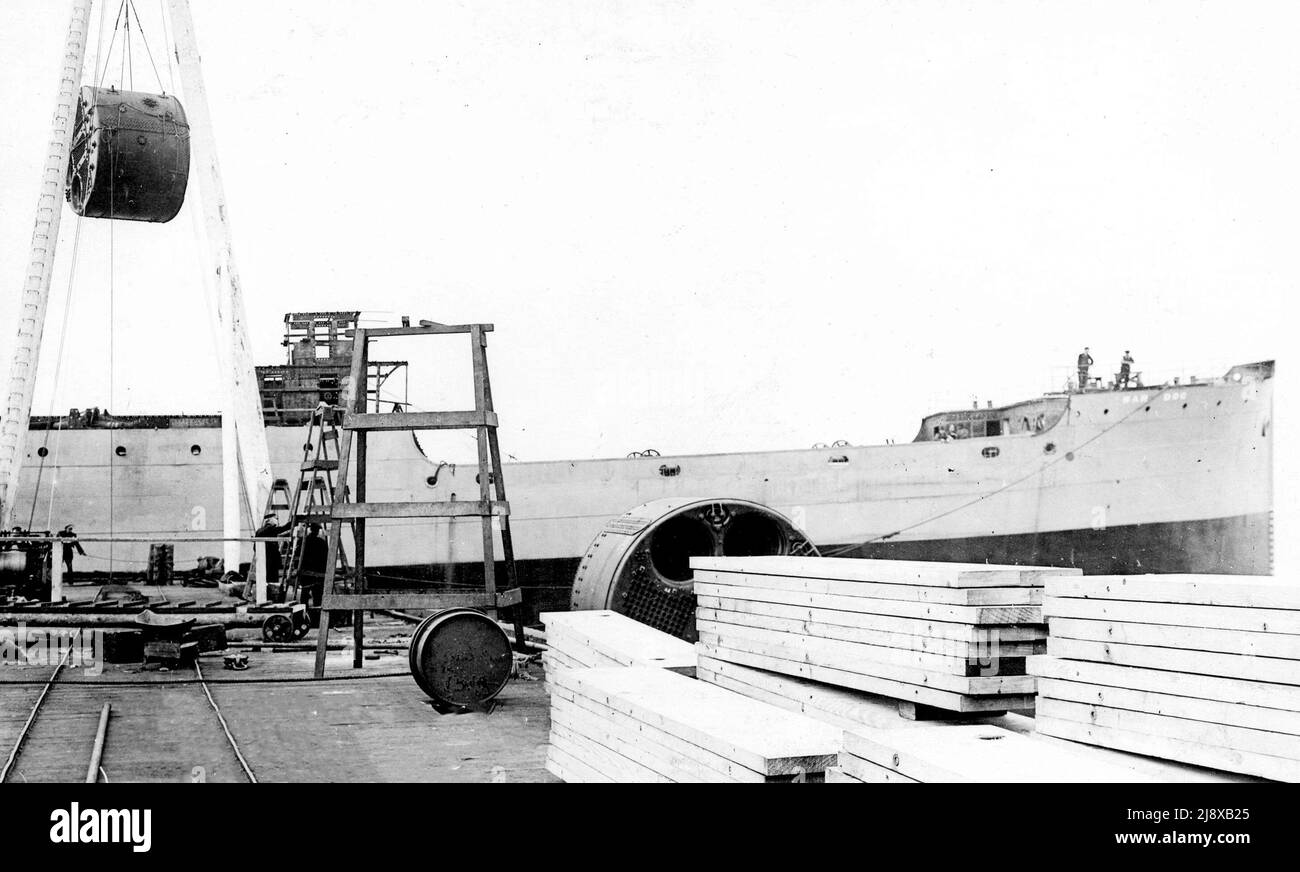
317, 488
357, 423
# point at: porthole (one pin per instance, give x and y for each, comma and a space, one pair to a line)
1105, 411
42, 451
431, 481
1049, 448
1147, 409
121, 451
1069, 455
196, 450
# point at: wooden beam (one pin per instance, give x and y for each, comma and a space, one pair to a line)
758, 737
882, 623
1241, 642
458, 509
1280, 750
900, 608
975, 649
923, 572
623, 641
1191, 708
1282, 672
1169, 749
419, 420
1234, 690
842, 707
375, 601
1258, 620
980, 596
865, 660
979, 753
435, 330
1251, 591
956, 702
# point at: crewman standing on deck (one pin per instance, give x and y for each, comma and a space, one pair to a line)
1125, 370
1085, 361
311, 572
270, 529
69, 543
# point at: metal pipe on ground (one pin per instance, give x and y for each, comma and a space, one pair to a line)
73, 618
97, 752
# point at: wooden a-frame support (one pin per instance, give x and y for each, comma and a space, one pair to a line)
358, 421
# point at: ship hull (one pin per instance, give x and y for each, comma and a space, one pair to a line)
1160, 480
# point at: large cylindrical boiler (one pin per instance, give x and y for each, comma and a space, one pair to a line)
130, 156
639, 564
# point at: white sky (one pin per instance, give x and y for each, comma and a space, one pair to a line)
704, 226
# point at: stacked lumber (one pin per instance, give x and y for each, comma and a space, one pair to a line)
639, 724
868, 714
937, 637
1202, 669
839, 706
967, 754
593, 639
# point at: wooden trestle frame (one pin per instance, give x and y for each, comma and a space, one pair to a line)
358, 421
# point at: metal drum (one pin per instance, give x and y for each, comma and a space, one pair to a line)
130, 156
639, 564
13, 563
460, 657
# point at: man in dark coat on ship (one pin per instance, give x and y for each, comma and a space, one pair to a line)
1085, 361
270, 530
1125, 370
311, 575
69, 543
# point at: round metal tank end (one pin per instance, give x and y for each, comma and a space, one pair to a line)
639, 564
461, 658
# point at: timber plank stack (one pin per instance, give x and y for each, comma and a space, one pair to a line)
645, 724
838, 706
1197, 668
600, 638
937, 637
967, 754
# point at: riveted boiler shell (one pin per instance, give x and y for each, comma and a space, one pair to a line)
130, 156
639, 564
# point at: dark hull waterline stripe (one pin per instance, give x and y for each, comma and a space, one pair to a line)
1238, 545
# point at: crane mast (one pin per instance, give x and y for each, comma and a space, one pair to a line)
246, 466
35, 296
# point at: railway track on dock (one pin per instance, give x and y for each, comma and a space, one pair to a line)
157, 730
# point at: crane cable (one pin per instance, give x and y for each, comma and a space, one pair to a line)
845, 549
